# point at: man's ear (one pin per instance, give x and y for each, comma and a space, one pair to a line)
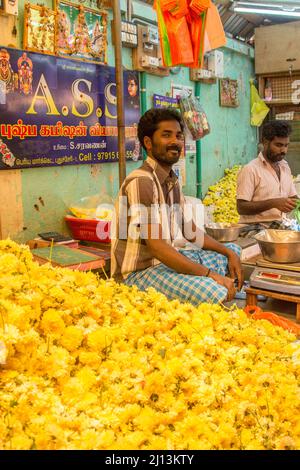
148, 142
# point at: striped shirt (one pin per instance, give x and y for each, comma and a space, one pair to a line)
258, 181
140, 202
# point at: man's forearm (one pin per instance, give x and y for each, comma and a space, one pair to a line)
173, 259
252, 208
211, 244
202, 240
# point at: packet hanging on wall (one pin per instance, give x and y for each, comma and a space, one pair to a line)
194, 117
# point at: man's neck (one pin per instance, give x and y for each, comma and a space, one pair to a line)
273, 164
165, 166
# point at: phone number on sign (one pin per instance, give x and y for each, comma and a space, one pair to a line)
112, 155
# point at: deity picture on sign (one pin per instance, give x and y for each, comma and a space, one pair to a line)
6, 71
25, 74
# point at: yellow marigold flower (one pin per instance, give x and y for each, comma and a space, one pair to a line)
99, 340
87, 377
52, 323
71, 338
21, 442
89, 358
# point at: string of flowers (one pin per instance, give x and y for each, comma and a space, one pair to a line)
41, 34
87, 363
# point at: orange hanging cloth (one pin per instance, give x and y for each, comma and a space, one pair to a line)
197, 24
214, 32
177, 8
174, 35
199, 6
180, 40
257, 314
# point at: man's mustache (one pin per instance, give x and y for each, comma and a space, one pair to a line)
174, 147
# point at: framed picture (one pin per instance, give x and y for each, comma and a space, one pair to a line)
39, 29
81, 33
229, 93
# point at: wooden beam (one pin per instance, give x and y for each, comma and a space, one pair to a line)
120, 89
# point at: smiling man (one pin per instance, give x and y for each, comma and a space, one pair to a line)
150, 216
265, 188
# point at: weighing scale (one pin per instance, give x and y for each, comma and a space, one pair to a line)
276, 280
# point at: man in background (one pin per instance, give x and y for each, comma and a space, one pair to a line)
265, 188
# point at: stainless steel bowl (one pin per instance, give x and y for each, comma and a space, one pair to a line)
223, 232
279, 246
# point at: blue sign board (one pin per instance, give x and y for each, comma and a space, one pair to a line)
160, 101
56, 111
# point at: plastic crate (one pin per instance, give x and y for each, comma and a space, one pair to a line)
89, 229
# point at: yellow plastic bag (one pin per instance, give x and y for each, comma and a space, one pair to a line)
259, 109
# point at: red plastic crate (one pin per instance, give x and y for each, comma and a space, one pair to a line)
89, 229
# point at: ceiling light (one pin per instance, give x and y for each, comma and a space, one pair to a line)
263, 11
253, 4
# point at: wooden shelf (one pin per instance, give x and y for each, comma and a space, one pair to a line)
279, 102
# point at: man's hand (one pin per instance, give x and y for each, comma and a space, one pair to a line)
285, 204
235, 268
225, 282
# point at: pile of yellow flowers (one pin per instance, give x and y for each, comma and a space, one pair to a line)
222, 196
90, 364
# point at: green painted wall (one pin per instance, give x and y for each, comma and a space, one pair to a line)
46, 192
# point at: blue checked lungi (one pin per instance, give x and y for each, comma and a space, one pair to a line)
185, 287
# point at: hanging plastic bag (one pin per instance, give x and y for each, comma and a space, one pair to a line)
259, 109
194, 117
258, 314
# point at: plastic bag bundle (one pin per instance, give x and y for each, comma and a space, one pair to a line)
194, 117
98, 207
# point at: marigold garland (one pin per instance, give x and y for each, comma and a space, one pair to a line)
222, 197
90, 364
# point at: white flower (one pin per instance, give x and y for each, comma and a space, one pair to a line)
3, 353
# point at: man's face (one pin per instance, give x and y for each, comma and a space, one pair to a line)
166, 143
276, 150
132, 88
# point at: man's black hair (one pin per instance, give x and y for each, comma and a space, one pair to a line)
276, 128
149, 122
132, 76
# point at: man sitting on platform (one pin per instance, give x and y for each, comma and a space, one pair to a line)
150, 213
